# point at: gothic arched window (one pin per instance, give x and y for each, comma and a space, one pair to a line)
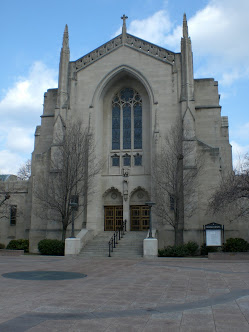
127, 120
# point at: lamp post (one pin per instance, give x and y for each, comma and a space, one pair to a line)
73, 206
150, 204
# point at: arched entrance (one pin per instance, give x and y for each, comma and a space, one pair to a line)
139, 212
113, 209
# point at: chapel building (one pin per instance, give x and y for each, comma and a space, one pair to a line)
131, 92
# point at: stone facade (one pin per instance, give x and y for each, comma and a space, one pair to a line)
157, 87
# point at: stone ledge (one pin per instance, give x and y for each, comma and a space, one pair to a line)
228, 255
9, 252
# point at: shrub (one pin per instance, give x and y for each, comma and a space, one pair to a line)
206, 249
20, 244
2, 246
236, 245
182, 250
192, 248
51, 247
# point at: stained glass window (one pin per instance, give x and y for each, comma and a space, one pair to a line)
127, 160
115, 160
116, 127
127, 120
137, 126
126, 94
137, 160
126, 126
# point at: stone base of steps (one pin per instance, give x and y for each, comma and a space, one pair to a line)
129, 246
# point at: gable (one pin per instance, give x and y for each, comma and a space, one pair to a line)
133, 42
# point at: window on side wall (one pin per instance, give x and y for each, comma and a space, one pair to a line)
13, 211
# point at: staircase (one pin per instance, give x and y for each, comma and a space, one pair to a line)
129, 246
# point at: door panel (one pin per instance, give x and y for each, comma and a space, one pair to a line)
113, 217
140, 218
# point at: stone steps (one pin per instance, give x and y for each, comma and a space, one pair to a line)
129, 246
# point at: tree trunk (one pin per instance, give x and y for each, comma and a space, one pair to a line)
64, 231
178, 236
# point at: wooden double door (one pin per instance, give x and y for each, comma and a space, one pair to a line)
140, 217
113, 217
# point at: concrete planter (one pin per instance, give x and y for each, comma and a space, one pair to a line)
9, 252
228, 255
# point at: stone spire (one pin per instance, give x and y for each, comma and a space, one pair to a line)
187, 92
124, 18
63, 71
185, 26
65, 43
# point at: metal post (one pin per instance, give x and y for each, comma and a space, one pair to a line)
72, 233
109, 249
73, 206
150, 204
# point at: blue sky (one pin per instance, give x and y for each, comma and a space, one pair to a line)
31, 39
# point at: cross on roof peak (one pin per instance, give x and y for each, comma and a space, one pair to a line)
124, 18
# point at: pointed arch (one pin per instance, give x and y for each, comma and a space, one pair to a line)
139, 188
188, 124
116, 71
112, 189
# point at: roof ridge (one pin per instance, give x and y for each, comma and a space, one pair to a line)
131, 41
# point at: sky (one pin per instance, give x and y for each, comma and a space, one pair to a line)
31, 39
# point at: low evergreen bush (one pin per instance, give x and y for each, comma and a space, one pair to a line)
192, 248
2, 246
182, 250
206, 249
236, 245
19, 244
51, 247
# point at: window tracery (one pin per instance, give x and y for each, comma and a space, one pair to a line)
127, 120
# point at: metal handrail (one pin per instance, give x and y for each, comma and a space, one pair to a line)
118, 234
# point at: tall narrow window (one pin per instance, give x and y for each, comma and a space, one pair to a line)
138, 126
127, 120
116, 127
13, 210
126, 126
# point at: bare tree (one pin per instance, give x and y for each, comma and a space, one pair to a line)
71, 175
174, 176
233, 192
4, 197
24, 171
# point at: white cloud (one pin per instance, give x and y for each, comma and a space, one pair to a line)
218, 33
20, 140
153, 28
25, 98
10, 162
20, 111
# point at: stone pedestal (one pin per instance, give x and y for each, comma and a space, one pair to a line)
150, 248
72, 246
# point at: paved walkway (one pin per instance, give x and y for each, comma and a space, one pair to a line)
123, 295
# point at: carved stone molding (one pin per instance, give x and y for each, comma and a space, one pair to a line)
150, 49
139, 188
131, 41
112, 189
99, 52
